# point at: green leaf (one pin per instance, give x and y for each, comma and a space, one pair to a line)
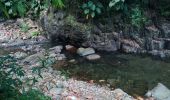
86, 11
93, 14
99, 5
58, 3
84, 5
98, 10
21, 8
8, 4
93, 7
113, 3
90, 3
4, 10
10, 11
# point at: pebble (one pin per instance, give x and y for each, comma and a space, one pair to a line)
93, 57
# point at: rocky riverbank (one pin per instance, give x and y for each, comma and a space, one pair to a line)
29, 52
52, 83
55, 85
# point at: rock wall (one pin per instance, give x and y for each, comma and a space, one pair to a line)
65, 28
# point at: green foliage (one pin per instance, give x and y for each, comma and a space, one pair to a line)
19, 8
12, 8
137, 17
24, 27
34, 34
36, 6
57, 3
11, 82
71, 21
9, 73
44, 63
165, 8
91, 9
117, 4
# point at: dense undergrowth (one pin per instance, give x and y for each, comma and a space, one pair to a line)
11, 83
122, 13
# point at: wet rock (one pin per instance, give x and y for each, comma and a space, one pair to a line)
93, 57
153, 31
71, 48
129, 49
160, 92
72, 61
60, 57
160, 53
130, 46
157, 45
104, 41
33, 59
121, 95
36, 48
20, 55
56, 49
41, 38
51, 24
85, 51
165, 27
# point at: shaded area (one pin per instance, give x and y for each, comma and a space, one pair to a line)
134, 74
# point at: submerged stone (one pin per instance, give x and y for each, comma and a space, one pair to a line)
85, 51
160, 92
93, 57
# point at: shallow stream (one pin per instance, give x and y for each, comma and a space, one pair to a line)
135, 74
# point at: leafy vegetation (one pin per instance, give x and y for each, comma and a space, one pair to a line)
137, 17
90, 9
117, 4
11, 75
19, 8
13, 7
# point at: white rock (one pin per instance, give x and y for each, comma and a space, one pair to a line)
93, 57
121, 95
20, 55
56, 91
85, 51
160, 92
71, 98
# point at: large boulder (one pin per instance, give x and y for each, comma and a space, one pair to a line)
60, 27
104, 41
33, 59
121, 95
19, 55
160, 92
